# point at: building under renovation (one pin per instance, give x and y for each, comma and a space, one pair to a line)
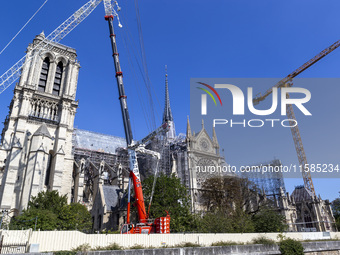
41, 150
269, 182
302, 209
101, 167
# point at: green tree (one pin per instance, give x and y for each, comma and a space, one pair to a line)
35, 219
222, 222
241, 222
170, 195
269, 220
82, 217
48, 200
229, 193
216, 222
49, 211
336, 212
235, 205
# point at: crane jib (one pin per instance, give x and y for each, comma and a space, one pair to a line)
299, 70
12, 74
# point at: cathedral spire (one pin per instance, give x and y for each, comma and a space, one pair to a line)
167, 115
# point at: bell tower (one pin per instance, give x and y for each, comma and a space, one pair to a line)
36, 141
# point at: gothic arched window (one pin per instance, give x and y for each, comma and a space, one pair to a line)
44, 74
57, 79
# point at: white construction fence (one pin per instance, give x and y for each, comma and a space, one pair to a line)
68, 240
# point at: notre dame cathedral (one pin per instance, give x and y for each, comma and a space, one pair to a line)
41, 150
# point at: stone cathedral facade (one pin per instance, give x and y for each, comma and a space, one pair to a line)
36, 145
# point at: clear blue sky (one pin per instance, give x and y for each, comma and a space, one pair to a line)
218, 38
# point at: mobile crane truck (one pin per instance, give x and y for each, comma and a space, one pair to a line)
144, 225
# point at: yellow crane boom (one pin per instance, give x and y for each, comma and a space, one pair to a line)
287, 82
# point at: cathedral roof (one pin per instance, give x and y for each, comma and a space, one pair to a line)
300, 194
111, 196
89, 140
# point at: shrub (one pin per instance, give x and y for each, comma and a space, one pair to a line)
262, 240
268, 220
106, 232
65, 253
82, 247
225, 243
113, 246
188, 244
290, 247
137, 247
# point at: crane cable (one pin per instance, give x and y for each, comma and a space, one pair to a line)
23, 27
139, 54
136, 83
151, 88
131, 44
131, 49
148, 82
156, 172
153, 187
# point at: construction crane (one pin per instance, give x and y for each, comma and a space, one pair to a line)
144, 225
287, 82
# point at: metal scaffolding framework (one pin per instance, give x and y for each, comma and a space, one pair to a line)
271, 182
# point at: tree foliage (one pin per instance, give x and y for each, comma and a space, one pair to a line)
269, 220
336, 212
235, 205
290, 247
221, 222
49, 211
170, 195
226, 193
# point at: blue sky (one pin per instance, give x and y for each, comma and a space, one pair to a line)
196, 39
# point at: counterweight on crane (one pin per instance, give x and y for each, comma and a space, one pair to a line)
287, 82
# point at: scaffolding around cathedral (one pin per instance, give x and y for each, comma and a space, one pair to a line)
271, 182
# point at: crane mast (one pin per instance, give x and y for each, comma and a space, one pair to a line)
134, 171
287, 82
161, 224
307, 178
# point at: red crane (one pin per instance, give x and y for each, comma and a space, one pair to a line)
144, 225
